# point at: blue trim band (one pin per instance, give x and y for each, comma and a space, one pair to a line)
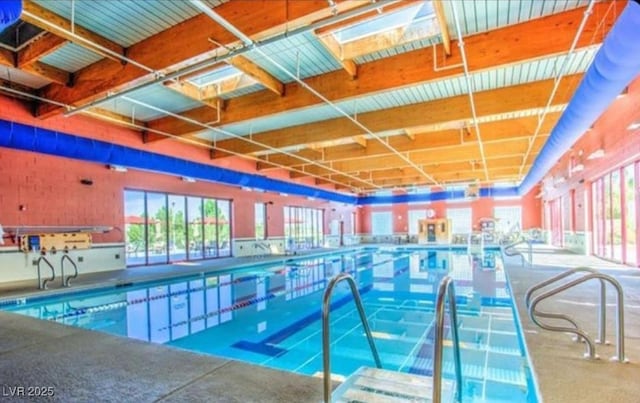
29, 138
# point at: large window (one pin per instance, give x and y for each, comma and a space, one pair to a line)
460, 220
195, 230
381, 223
630, 186
414, 217
260, 214
614, 203
177, 229
162, 228
135, 224
303, 227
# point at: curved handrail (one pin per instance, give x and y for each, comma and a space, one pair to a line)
65, 282
446, 288
602, 315
326, 346
42, 284
506, 249
619, 313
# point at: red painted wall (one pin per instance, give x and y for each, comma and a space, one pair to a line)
50, 189
621, 147
480, 208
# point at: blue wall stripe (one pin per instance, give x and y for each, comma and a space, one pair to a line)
29, 138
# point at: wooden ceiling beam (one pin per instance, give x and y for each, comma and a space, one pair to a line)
503, 100
492, 131
39, 48
488, 50
30, 63
274, 160
113, 117
188, 42
443, 155
333, 47
48, 72
211, 94
36, 15
257, 73
444, 28
7, 58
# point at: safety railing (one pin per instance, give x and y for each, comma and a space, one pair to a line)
591, 274
509, 250
42, 283
265, 248
326, 345
445, 289
66, 281
602, 312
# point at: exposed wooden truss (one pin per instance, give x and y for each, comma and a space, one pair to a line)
437, 136
484, 51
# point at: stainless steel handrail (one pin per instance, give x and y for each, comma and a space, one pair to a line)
326, 346
446, 288
65, 282
619, 313
506, 250
602, 315
42, 284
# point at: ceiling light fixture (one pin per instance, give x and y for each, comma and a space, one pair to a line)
188, 179
577, 168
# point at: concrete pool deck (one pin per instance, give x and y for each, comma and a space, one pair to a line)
83, 365
562, 374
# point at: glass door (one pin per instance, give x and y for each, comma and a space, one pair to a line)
630, 224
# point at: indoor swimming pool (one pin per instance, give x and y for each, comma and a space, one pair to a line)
270, 314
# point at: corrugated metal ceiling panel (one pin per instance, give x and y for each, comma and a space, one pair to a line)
20, 77
156, 95
483, 15
314, 58
315, 114
71, 58
126, 21
487, 80
407, 47
243, 91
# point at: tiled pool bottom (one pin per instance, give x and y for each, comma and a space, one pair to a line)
275, 311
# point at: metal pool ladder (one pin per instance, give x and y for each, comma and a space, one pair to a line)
589, 274
42, 284
509, 250
66, 282
379, 384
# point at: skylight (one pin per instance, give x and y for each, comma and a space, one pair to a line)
385, 22
216, 76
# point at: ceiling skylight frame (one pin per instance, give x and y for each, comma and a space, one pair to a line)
384, 28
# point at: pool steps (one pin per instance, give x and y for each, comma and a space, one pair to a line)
380, 385
377, 384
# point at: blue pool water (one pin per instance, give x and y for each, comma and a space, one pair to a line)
270, 315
